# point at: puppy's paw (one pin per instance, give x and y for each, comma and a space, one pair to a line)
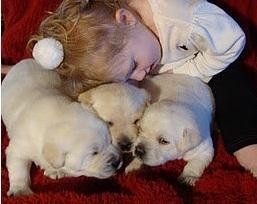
19, 190
54, 174
133, 166
187, 179
130, 168
254, 173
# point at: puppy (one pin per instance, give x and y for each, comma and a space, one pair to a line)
120, 105
46, 127
177, 125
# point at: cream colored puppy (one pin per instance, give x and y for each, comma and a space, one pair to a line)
177, 125
121, 105
47, 128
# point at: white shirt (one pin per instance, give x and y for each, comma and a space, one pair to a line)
197, 37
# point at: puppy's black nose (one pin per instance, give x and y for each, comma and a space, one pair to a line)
115, 164
125, 144
140, 151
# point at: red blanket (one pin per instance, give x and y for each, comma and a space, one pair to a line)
223, 181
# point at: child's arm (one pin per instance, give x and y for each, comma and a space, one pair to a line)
219, 39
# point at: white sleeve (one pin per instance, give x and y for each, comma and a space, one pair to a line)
218, 38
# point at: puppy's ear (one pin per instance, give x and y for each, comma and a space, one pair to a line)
86, 101
86, 98
54, 155
189, 140
74, 161
146, 96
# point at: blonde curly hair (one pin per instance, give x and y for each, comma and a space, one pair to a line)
91, 38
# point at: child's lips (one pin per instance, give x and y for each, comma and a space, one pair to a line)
148, 70
151, 67
154, 68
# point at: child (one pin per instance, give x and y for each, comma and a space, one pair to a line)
100, 41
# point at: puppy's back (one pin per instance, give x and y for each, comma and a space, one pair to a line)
25, 81
180, 88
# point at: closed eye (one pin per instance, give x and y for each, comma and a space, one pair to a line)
96, 150
136, 121
163, 141
110, 123
95, 153
134, 67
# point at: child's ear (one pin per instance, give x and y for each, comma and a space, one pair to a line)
125, 17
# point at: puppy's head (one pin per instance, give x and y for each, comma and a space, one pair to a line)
120, 105
167, 131
83, 147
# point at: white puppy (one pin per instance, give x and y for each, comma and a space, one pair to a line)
121, 105
177, 125
47, 128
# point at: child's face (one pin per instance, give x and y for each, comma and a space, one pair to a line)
140, 55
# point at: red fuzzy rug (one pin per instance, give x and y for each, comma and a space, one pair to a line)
223, 181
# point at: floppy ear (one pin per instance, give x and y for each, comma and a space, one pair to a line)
151, 88
86, 98
54, 155
189, 140
86, 101
74, 161
146, 96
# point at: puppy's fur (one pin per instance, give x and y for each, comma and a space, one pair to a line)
177, 125
47, 128
121, 105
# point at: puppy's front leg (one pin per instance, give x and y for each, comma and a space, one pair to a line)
191, 172
134, 165
194, 169
19, 175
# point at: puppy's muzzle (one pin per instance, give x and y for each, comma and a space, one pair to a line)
115, 162
125, 144
140, 151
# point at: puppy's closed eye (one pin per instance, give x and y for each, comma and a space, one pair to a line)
110, 123
136, 121
163, 141
95, 153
